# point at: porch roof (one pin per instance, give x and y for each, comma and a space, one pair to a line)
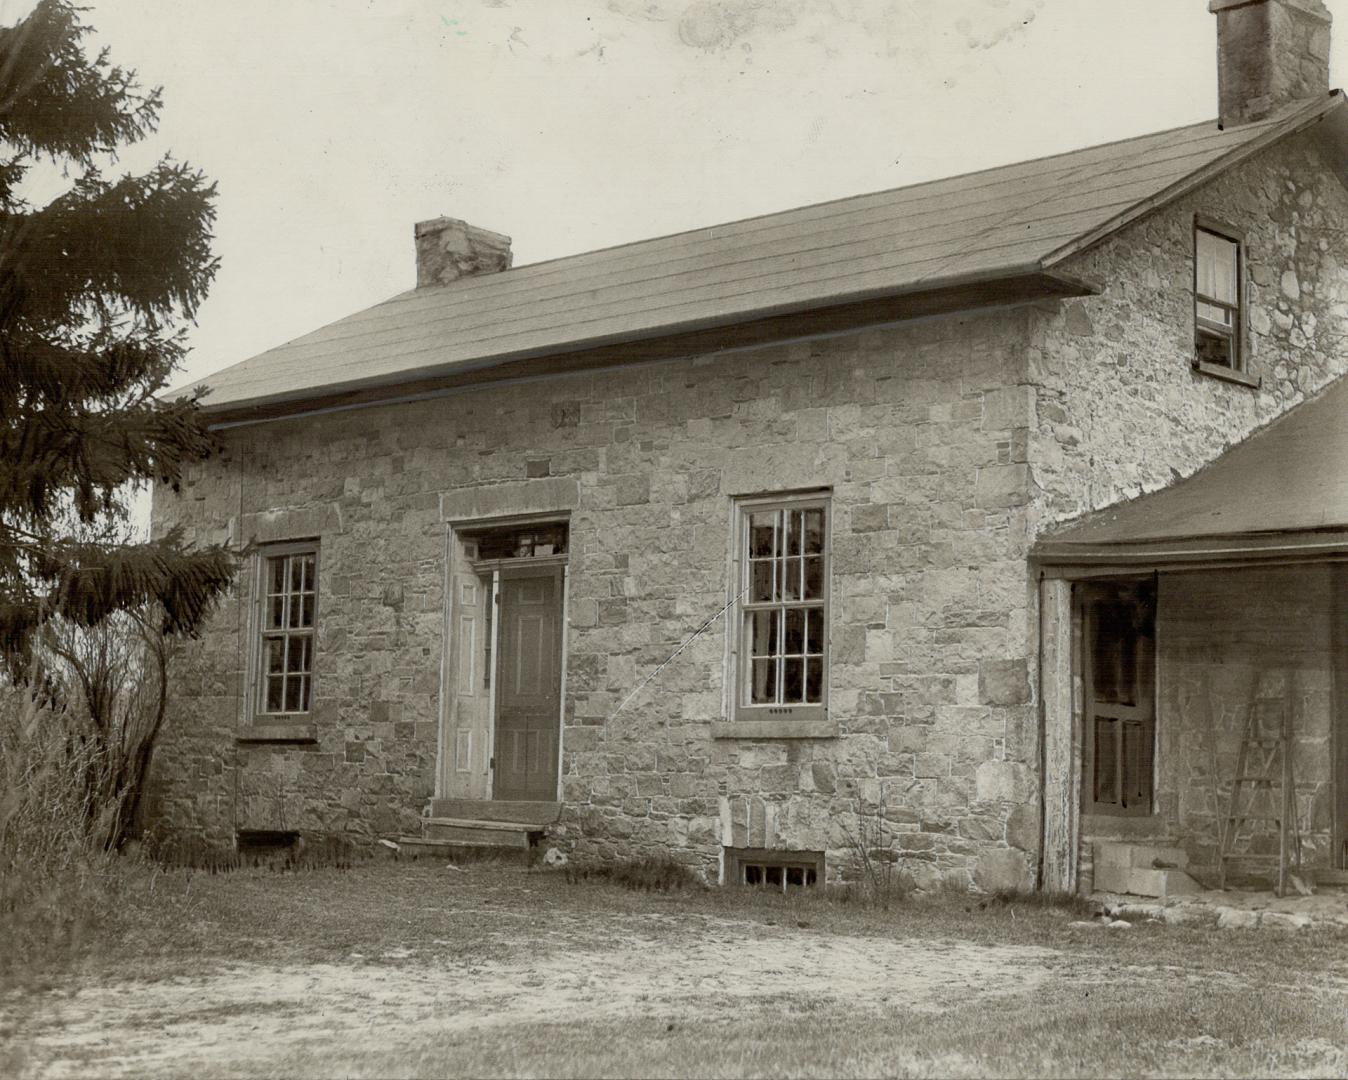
1281, 493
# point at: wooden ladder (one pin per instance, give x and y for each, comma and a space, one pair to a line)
1265, 763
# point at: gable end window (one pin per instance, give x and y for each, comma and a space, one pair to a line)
781, 644
1219, 287
287, 623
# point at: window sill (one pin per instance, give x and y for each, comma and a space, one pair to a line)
1226, 374
278, 733
774, 729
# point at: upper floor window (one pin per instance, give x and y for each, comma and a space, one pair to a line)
783, 634
288, 601
1218, 289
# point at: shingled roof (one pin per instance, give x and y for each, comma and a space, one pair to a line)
952, 239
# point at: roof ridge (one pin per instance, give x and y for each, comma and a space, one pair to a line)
943, 179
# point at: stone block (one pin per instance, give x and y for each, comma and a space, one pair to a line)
930, 766
1285, 920
1003, 682
1162, 883
1113, 879
869, 518
1002, 486
1229, 918
1001, 781
1002, 868
1022, 828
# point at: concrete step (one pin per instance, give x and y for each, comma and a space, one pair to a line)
501, 834
533, 813
457, 851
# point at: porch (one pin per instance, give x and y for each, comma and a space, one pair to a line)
1194, 675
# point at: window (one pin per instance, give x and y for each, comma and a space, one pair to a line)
783, 610
288, 599
780, 871
1218, 287
1120, 684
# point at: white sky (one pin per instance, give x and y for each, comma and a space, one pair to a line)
332, 126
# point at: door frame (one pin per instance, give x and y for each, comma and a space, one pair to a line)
457, 532
1338, 726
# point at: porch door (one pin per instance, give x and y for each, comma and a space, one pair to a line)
1120, 698
529, 671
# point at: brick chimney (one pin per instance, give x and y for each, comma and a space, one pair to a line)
1269, 53
448, 249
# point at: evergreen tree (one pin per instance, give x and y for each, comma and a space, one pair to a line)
92, 286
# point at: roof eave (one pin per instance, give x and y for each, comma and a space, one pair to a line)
1281, 546
769, 325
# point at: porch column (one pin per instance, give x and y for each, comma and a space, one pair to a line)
1060, 740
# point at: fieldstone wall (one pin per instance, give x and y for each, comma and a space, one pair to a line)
920, 433
1118, 409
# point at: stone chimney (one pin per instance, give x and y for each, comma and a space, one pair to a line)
1269, 53
448, 249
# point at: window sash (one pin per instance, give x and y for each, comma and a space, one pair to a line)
1219, 285
286, 635
784, 664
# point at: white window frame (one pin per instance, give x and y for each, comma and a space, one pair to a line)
257, 690
773, 719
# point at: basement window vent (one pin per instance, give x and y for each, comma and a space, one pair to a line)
780, 871
265, 841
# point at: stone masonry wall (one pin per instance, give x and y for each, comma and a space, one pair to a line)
1226, 638
948, 444
920, 432
1118, 410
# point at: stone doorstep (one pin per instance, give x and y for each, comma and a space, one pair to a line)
1145, 856
456, 850
1137, 881
534, 813
501, 834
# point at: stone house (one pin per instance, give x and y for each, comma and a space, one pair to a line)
929, 516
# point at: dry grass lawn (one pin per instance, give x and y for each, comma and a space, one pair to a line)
418, 970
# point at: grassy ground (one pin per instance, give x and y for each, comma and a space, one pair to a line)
419, 970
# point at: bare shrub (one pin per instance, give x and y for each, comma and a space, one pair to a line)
76, 738
882, 880
55, 873
112, 681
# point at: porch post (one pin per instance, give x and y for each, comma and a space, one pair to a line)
1061, 742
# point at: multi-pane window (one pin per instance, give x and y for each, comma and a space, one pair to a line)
289, 601
1217, 299
784, 605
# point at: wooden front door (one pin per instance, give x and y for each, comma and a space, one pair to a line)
529, 674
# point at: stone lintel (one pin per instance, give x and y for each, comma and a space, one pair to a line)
544, 495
